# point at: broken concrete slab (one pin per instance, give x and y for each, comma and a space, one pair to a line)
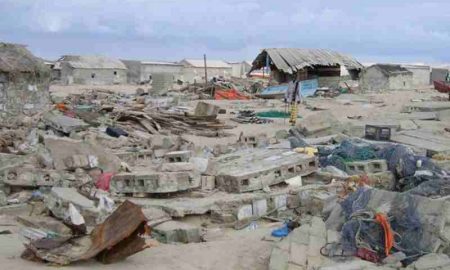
63, 148
155, 216
320, 124
205, 109
47, 224
154, 182
177, 167
253, 169
176, 231
64, 123
58, 201
426, 106
422, 139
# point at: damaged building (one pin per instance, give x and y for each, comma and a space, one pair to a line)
24, 81
92, 70
307, 64
145, 72
194, 70
383, 77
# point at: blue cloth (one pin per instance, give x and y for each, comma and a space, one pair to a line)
281, 232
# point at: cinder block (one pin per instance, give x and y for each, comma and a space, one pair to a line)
177, 156
366, 167
259, 207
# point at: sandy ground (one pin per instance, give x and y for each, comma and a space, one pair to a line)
242, 250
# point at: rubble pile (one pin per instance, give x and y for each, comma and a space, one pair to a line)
106, 176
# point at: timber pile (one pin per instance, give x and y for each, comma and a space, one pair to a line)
178, 123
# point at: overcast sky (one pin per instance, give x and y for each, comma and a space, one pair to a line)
371, 30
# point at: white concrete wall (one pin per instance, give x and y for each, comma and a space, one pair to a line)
101, 76
421, 75
194, 74
149, 69
400, 82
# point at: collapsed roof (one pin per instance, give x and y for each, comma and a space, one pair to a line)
17, 58
92, 62
291, 60
389, 69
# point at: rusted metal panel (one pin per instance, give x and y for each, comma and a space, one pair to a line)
121, 235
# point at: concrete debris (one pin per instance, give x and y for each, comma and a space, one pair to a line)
119, 236
175, 231
104, 173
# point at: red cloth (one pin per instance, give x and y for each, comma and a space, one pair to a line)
229, 94
103, 181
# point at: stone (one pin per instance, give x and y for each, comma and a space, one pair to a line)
58, 201
244, 212
282, 134
319, 124
314, 201
259, 207
175, 231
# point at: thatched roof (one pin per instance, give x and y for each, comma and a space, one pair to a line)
16, 58
291, 60
92, 62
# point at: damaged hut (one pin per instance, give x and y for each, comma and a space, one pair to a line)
383, 77
307, 64
92, 70
24, 81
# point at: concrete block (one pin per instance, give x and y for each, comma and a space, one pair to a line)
366, 167
259, 207
244, 212
81, 161
205, 109
208, 182
280, 202
64, 124
154, 182
245, 171
177, 156
175, 231
177, 167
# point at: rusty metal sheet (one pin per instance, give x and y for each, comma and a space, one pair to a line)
121, 235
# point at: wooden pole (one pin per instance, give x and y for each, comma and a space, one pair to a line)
206, 71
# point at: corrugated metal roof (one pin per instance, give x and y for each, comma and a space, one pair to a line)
210, 63
93, 62
291, 60
162, 63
